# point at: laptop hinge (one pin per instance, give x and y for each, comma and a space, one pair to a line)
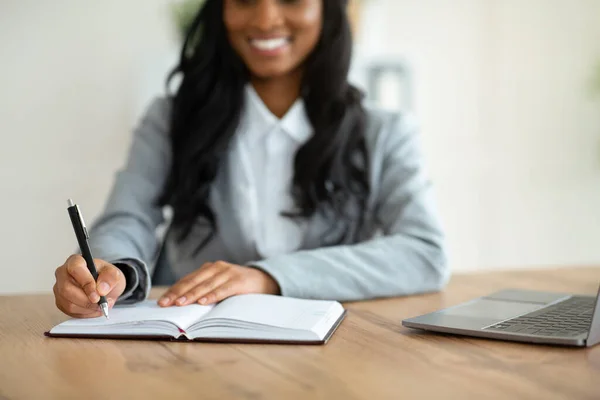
594, 333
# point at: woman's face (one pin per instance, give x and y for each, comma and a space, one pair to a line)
273, 37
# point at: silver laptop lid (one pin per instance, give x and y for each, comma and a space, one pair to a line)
594, 332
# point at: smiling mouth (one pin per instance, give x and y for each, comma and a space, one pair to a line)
271, 44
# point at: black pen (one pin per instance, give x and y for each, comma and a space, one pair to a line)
82, 238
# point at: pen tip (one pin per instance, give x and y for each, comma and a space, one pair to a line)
104, 308
70, 203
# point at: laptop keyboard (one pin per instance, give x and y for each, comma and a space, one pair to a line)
570, 317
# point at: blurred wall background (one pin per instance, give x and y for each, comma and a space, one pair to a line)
501, 89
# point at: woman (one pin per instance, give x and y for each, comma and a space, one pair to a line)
279, 179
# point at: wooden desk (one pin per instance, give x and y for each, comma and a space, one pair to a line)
371, 356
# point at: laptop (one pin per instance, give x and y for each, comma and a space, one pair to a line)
520, 315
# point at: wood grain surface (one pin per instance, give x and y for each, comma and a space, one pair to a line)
371, 356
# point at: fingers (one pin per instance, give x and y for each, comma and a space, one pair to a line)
109, 278
75, 310
217, 281
237, 280
198, 293
77, 293
76, 267
72, 309
222, 292
71, 291
184, 285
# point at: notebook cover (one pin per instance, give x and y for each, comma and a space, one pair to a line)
214, 340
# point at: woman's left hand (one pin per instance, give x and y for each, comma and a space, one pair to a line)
216, 281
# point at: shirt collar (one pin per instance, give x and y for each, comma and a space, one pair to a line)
295, 122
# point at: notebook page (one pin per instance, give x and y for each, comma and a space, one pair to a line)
146, 310
277, 311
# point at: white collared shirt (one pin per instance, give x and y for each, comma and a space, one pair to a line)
261, 168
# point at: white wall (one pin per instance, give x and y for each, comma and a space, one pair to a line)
71, 76
544, 206
511, 134
512, 141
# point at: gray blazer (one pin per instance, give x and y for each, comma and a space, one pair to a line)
398, 251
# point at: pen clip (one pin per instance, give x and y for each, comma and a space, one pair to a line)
80, 216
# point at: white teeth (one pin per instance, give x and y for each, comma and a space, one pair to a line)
269, 44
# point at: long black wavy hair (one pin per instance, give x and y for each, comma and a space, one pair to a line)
330, 170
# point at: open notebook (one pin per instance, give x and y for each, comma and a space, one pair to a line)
243, 318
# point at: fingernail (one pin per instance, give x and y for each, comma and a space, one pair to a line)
181, 300
203, 300
94, 297
103, 288
164, 301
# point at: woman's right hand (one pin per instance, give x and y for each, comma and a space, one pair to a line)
77, 294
